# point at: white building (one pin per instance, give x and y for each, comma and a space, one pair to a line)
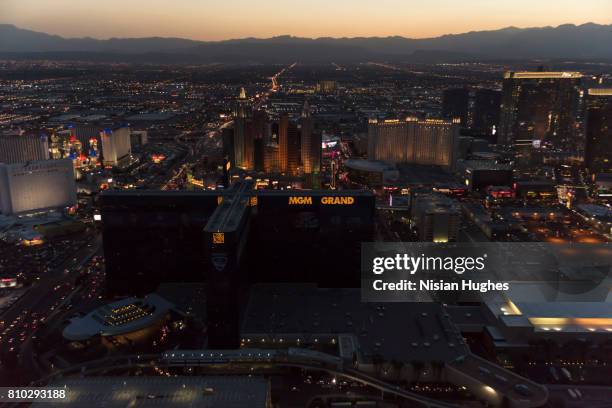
116, 147
428, 142
38, 185
17, 148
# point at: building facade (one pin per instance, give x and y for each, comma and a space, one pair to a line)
242, 112
598, 143
116, 145
455, 105
540, 107
310, 143
436, 217
485, 118
427, 142
18, 148
36, 186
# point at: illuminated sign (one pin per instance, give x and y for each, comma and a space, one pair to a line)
219, 200
8, 283
324, 200
300, 200
337, 200
218, 238
253, 201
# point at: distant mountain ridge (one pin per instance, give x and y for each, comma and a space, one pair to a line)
565, 41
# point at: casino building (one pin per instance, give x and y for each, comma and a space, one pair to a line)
129, 318
36, 186
310, 235
152, 237
427, 142
231, 240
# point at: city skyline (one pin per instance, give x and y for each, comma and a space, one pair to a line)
269, 18
257, 218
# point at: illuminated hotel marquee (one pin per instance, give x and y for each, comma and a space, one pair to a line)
332, 200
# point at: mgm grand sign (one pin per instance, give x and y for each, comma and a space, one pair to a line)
331, 200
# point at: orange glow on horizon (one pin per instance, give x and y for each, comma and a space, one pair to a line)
315, 18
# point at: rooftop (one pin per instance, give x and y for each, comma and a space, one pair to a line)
482, 165
203, 392
124, 316
369, 165
401, 331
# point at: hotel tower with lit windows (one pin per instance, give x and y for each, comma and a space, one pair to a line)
426, 142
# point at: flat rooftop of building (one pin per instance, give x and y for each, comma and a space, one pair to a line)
151, 117
598, 211
466, 315
415, 174
228, 215
161, 193
123, 316
482, 165
401, 331
369, 165
203, 392
189, 298
436, 203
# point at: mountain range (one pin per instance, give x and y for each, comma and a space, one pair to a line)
586, 41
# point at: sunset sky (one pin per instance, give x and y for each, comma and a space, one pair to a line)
216, 20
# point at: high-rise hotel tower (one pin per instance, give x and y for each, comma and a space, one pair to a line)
428, 142
539, 107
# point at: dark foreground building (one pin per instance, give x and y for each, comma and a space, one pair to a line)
151, 237
310, 236
232, 240
226, 236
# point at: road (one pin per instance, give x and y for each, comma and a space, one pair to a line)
210, 143
591, 396
36, 305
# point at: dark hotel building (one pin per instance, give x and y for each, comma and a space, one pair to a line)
540, 106
152, 237
289, 145
227, 136
233, 240
485, 118
226, 236
310, 236
455, 105
598, 148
